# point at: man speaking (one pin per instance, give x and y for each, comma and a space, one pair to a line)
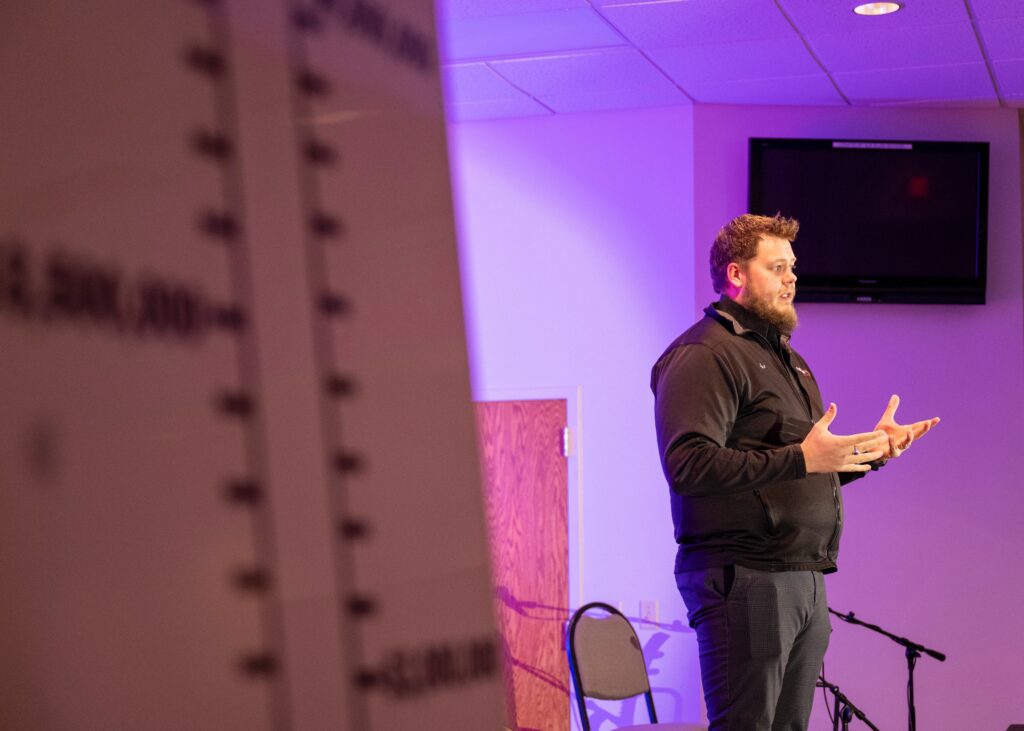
755, 474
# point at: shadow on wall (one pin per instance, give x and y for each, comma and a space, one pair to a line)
603, 714
536, 679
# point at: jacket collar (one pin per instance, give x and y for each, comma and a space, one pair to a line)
742, 321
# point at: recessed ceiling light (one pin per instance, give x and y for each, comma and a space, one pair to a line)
876, 8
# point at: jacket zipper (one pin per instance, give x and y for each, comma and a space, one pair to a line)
839, 516
810, 415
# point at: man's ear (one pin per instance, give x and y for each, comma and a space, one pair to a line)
735, 275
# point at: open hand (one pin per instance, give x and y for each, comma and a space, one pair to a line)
901, 436
827, 452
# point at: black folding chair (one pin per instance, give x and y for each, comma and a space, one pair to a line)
607, 663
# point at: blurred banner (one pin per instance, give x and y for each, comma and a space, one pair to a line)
238, 479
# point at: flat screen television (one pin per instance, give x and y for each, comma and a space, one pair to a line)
880, 220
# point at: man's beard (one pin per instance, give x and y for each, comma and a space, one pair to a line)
784, 320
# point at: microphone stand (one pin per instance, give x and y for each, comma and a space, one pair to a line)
844, 708
913, 652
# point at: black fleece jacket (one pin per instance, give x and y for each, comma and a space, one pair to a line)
732, 403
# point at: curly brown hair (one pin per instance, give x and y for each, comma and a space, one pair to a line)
738, 240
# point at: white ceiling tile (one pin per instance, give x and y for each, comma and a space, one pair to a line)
690, 22
451, 9
583, 73
807, 90
925, 45
837, 16
1004, 38
733, 61
997, 8
474, 82
576, 55
495, 109
524, 34
964, 81
1011, 77
616, 99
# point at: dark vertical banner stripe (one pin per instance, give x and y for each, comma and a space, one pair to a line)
325, 228
261, 663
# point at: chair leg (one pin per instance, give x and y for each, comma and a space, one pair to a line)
649, 697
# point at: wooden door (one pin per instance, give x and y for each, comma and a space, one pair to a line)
527, 513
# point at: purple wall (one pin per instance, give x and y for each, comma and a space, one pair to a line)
584, 241
577, 271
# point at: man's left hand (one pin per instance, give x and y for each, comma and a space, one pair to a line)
901, 436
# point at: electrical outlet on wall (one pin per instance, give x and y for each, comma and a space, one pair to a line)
649, 611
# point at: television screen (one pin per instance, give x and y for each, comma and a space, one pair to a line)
880, 221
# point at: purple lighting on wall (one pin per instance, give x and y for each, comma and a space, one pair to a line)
585, 252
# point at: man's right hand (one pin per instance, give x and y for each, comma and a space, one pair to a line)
827, 452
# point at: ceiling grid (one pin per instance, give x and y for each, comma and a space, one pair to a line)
509, 58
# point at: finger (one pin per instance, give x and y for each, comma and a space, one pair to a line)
923, 427
864, 440
854, 468
903, 436
890, 410
878, 442
828, 417
881, 445
894, 448
865, 457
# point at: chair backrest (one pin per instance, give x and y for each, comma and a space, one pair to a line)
605, 658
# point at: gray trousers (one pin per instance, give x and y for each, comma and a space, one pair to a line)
762, 636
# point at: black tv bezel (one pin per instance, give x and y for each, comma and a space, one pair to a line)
863, 289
